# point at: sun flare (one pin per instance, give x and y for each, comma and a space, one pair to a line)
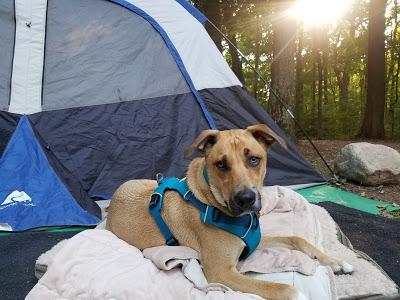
315, 12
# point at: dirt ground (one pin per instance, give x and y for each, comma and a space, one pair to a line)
329, 149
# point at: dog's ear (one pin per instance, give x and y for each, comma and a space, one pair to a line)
266, 136
206, 139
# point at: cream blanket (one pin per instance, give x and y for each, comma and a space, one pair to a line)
95, 264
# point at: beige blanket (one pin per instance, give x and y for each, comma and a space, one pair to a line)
95, 264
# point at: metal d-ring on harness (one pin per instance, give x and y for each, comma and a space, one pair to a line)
245, 227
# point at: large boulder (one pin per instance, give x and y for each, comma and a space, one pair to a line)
368, 164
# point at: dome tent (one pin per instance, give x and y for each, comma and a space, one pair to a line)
106, 91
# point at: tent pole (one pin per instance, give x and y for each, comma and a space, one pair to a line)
276, 94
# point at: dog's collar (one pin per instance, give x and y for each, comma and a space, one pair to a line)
205, 175
246, 227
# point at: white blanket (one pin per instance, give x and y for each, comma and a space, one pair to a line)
95, 264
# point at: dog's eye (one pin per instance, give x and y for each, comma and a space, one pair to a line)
221, 165
254, 161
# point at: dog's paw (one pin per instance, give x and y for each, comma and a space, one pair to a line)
342, 267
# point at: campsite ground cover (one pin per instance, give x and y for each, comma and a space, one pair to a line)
329, 149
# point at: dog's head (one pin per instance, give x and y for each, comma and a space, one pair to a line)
236, 164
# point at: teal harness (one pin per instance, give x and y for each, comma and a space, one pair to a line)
245, 227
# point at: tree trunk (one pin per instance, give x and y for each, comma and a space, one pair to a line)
343, 80
362, 88
394, 58
395, 101
236, 61
373, 123
256, 64
231, 33
212, 10
257, 54
299, 90
314, 98
325, 63
397, 93
284, 31
316, 89
320, 96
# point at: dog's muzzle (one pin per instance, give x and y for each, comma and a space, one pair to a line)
247, 200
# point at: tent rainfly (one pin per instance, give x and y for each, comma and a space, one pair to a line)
96, 92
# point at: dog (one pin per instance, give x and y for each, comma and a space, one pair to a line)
235, 161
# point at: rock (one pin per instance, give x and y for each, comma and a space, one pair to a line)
368, 164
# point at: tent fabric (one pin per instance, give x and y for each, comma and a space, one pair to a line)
99, 40
174, 52
190, 45
26, 90
7, 33
151, 135
29, 195
71, 183
193, 11
8, 123
116, 90
199, 54
105, 145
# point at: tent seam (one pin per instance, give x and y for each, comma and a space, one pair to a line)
174, 52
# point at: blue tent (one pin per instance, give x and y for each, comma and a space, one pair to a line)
96, 92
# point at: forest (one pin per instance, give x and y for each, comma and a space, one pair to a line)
333, 64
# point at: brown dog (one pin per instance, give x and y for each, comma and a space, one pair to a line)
236, 164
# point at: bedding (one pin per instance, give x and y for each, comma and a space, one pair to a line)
95, 264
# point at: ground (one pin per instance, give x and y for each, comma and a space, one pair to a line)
329, 149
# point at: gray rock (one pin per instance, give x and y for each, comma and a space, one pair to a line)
368, 164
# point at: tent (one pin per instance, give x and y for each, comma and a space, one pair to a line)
96, 92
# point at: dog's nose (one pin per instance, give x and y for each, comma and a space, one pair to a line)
245, 198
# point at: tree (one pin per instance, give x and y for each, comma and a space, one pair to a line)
393, 60
284, 34
299, 85
230, 20
325, 77
212, 10
373, 123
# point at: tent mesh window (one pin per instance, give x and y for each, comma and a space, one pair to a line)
98, 52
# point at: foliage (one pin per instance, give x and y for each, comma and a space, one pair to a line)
339, 49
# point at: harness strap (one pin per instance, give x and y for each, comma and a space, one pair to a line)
205, 175
245, 227
155, 205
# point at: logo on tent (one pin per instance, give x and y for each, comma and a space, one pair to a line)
15, 198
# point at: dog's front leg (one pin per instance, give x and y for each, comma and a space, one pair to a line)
300, 244
220, 267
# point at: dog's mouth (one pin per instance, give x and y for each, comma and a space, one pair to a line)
236, 209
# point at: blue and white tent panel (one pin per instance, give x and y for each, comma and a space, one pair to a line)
189, 44
200, 56
31, 194
114, 90
193, 11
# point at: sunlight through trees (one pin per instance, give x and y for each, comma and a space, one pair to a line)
326, 54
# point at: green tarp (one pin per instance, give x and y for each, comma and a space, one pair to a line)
323, 193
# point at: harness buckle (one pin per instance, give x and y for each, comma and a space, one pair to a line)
154, 200
159, 177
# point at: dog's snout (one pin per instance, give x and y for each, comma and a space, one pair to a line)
245, 198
